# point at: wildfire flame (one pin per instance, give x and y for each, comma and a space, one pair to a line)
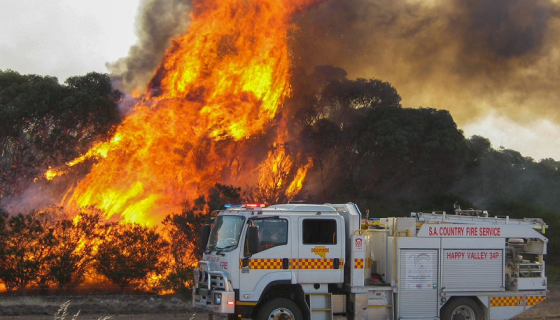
219, 84
51, 174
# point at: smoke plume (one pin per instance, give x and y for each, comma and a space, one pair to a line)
157, 23
465, 56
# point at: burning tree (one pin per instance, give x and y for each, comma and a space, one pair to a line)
210, 114
220, 87
274, 174
129, 253
43, 123
75, 241
24, 250
182, 230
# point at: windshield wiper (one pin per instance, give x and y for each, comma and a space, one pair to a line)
219, 250
209, 249
263, 218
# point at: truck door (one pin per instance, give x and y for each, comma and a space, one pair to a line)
270, 263
321, 256
417, 288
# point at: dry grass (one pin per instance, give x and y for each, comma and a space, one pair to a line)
62, 313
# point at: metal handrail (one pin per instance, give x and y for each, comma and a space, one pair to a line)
215, 273
223, 275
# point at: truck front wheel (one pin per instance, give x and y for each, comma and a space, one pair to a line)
461, 309
279, 309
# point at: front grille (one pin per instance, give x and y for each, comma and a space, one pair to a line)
206, 282
217, 282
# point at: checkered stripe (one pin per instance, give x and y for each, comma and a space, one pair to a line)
358, 263
533, 300
264, 263
506, 301
315, 264
294, 264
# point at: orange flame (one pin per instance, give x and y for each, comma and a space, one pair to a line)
51, 174
220, 84
297, 184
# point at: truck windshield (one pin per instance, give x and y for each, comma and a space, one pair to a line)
225, 233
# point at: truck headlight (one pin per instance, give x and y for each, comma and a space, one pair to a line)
217, 299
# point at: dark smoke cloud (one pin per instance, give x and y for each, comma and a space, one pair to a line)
462, 55
466, 56
158, 22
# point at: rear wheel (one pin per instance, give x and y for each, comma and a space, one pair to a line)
279, 309
461, 309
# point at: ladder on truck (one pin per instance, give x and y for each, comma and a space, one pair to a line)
483, 219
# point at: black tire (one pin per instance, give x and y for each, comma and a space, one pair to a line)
461, 309
279, 309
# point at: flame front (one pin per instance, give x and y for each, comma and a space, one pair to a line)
219, 85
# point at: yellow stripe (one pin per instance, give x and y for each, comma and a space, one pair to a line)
252, 304
358, 263
516, 301
302, 264
533, 300
507, 301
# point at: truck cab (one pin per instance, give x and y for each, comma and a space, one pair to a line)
298, 247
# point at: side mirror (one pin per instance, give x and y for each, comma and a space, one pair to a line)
253, 239
204, 235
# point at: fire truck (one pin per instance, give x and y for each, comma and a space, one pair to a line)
323, 261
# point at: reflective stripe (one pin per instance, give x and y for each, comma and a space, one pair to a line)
264, 263
515, 301
293, 264
315, 264
241, 303
506, 301
358, 263
531, 301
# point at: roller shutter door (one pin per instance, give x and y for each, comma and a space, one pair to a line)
418, 294
473, 269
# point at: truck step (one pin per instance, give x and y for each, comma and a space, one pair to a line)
320, 305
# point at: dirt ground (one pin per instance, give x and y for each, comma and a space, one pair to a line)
156, 308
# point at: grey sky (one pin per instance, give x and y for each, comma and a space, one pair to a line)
63, 37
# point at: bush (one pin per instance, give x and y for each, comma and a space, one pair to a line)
129, 253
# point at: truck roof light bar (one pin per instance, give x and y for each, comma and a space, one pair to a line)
229, 206
254, 205
245, 205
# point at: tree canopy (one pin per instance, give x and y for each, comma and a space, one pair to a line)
366, 148
44, 124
